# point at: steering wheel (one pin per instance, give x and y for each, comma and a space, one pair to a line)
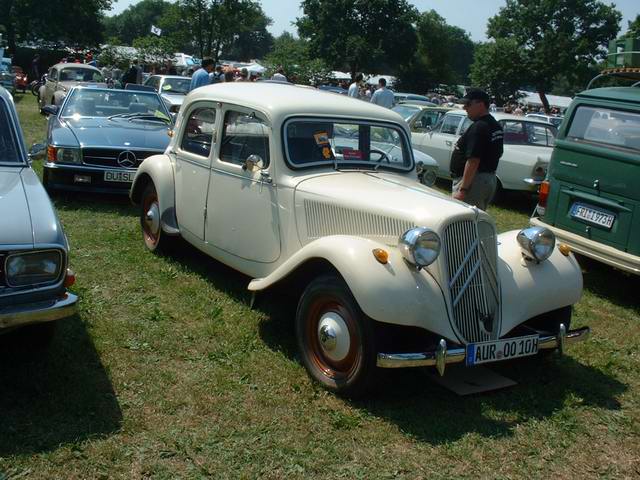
383, 155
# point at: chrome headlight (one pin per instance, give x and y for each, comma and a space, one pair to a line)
68, 155
537, 243
32, 268
420, 246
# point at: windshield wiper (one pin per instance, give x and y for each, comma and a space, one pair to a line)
147, 116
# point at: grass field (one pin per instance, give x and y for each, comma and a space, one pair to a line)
167, 373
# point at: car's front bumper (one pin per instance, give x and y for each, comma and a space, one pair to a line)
64, 177
596, 250
443, 356
38, 312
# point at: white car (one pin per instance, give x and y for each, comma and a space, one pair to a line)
554, 120
316, 194
172, 89
528, 144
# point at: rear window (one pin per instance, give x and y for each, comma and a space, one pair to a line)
322, 142
606, 126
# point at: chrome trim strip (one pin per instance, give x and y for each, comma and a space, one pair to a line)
86, 168
532, 181
23, 314
457, 355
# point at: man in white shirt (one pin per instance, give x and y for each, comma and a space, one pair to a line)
354, 88
382, 96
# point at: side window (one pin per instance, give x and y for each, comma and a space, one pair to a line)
428, 119
244, 135
450, 124
198, 132
514, 133
465, 124
53, 74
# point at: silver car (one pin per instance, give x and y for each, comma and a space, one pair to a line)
172, 89
33, 248
62, 77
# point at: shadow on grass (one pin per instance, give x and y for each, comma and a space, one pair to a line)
428, 412
63, 395
93, 202
617, 286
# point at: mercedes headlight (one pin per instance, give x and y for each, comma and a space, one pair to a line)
537, 243
68, 155
420, 246
32, 268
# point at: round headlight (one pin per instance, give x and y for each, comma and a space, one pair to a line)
420, 246
537, 243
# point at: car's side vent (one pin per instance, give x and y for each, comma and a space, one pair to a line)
324, 219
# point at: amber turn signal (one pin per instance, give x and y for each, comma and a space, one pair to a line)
381, 255
564, 249
69, 278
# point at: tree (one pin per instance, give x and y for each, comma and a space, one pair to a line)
292, 54
135, 21
359, 34
557, 37
250, 44
633, 29
32, 20
442, 54
498, 68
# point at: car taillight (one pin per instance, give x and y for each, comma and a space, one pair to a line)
543, 194
51, 154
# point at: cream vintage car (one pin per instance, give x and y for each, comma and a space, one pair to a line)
316, 194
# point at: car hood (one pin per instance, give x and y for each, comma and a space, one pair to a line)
102, 132
26, 214
174, 98
372, 204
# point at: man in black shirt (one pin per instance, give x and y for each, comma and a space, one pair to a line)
475, 157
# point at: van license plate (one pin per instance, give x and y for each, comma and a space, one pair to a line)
496, 351
592, 215
118, 176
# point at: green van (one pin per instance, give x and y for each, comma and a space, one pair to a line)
591, 199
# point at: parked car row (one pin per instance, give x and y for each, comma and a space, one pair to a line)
317, 194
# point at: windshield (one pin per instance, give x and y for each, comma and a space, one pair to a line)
405, 111
89, 102
333, 143
528, 133
8, 139
79, 74
176, 85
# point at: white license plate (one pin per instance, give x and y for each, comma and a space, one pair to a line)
118, 176
592, 215
496, 351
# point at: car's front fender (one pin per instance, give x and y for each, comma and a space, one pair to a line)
158, 170
395, 292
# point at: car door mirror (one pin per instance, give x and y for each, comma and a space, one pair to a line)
253, 163
50, 109
37, 151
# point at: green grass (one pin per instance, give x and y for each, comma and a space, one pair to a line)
167, 373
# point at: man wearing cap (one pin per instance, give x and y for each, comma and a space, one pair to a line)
475, 157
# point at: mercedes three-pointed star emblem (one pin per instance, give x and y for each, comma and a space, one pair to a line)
127, 159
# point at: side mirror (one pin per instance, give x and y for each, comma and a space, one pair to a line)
50, 109
37, 151
253, 163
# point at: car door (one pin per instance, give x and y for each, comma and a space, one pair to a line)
50, 86
242, 211
193, 164
439, 142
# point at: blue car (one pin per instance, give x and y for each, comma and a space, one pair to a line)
33, 248
98, 137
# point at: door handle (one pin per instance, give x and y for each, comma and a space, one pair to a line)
448, 143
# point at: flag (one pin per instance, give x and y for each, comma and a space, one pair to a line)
155, 30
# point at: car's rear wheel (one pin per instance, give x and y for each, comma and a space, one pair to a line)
154, 238
335, 338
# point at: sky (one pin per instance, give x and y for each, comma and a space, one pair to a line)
470, 15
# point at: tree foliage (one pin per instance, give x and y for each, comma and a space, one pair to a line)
67, 22
442, 54
136, 21
359, 34
557, 37
633, 29
293, 55
498, 68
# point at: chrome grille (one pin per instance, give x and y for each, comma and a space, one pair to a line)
471, 260
108, 157
325, 219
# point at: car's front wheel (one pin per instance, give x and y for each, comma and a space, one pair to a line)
154, 238
335, 338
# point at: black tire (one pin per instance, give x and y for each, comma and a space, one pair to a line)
351, 374
154, 238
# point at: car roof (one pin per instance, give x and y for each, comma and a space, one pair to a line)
504, 116
76, 65
171, 76
281, 100
627, 94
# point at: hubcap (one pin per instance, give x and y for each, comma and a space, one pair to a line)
152, 219
333, 334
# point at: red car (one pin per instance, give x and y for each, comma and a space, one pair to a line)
21, 78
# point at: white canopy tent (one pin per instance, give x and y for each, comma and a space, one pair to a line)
340, 75
373, 80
